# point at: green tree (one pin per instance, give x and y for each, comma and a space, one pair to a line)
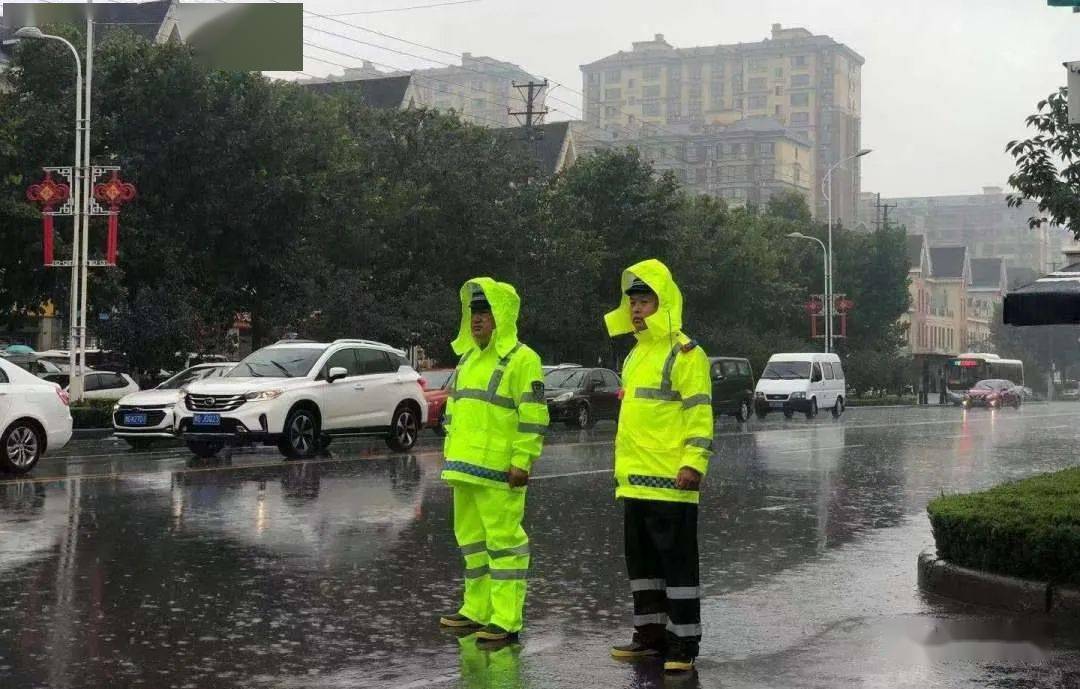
1048, 165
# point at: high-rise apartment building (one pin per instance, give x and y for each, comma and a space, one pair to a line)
805, 83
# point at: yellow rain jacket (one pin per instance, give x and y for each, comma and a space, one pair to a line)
666, 420
496, 415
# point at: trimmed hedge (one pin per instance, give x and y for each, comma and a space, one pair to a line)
1028, 529
92, 414
881, 401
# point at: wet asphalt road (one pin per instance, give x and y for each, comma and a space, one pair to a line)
154, 569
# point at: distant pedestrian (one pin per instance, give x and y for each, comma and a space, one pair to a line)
662, 450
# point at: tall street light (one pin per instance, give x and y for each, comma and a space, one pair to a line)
78, 243
826, 189
825, 255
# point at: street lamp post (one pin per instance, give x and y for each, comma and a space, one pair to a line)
826, 190
825, 255
78, 243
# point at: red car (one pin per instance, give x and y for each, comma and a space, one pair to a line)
994, 394
435, 385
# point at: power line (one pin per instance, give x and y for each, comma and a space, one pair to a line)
404, 9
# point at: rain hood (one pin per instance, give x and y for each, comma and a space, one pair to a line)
667, 320
505, 305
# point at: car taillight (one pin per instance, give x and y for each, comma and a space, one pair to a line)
64, 396
620, 393
423, 384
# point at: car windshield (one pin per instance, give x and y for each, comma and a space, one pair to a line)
184, 377
787, 370
279, 362
436, 380
993, 385
565, 378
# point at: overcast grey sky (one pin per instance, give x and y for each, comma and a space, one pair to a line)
945, 85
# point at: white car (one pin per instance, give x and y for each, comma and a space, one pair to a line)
34, 418
143, 416
299, 395
106, 385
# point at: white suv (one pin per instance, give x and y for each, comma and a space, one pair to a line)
299, 395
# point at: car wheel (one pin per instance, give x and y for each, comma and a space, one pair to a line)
813, 408
838, 409
205, 449
744, 412
584, 417
404, 429
760, 414
301, 438
20, 448
788, 414
138, 443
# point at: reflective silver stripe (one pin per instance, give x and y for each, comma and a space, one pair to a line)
533, 397
473, 548
446, 419
658, 394
508, 574
703, 443
647, 585
532, 428
482, 395
683, 592
684, 630
696, 400
507, 552
655, 618
500, 369
669, 363
476, 572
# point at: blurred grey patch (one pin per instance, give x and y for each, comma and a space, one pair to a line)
256, 36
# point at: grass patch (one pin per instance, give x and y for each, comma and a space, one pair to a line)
1028, 529
92, 414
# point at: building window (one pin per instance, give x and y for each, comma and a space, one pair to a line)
756, 84
758, 102
800, 100
613, 94
610, 111
767, 149
717, 70
758, 65
650, 73
800, 80
716, 93
778, 72
651, 91
478, 85
695, 91
695, 70
594, 77
612, 75
777, 90
777, 112
650, 109
799, 61
768, 172
800, 118
699, 175
629, 83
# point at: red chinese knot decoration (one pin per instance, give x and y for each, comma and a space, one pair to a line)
814, 307
49, 194
844, 305
113, 193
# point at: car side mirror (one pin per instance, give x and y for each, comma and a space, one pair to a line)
336, 373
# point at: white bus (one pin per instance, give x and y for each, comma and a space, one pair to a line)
962, 372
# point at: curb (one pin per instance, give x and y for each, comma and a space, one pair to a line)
995, 590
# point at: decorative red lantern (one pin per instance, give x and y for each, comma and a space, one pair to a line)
113, 193
49, 193
844, 305
814, 307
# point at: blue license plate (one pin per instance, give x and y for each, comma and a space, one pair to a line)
207, 420
134, 419
776, 405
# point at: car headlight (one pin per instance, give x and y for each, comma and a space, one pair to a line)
565, 397
116, 407
798, 395
263, 396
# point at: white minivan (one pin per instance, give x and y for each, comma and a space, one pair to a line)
802, 383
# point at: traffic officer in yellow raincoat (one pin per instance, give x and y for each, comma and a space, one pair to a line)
662, 451
496, 418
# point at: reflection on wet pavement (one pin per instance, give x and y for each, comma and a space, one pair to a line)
158, 570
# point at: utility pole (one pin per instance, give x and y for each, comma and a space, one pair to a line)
885, 214
533, 118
